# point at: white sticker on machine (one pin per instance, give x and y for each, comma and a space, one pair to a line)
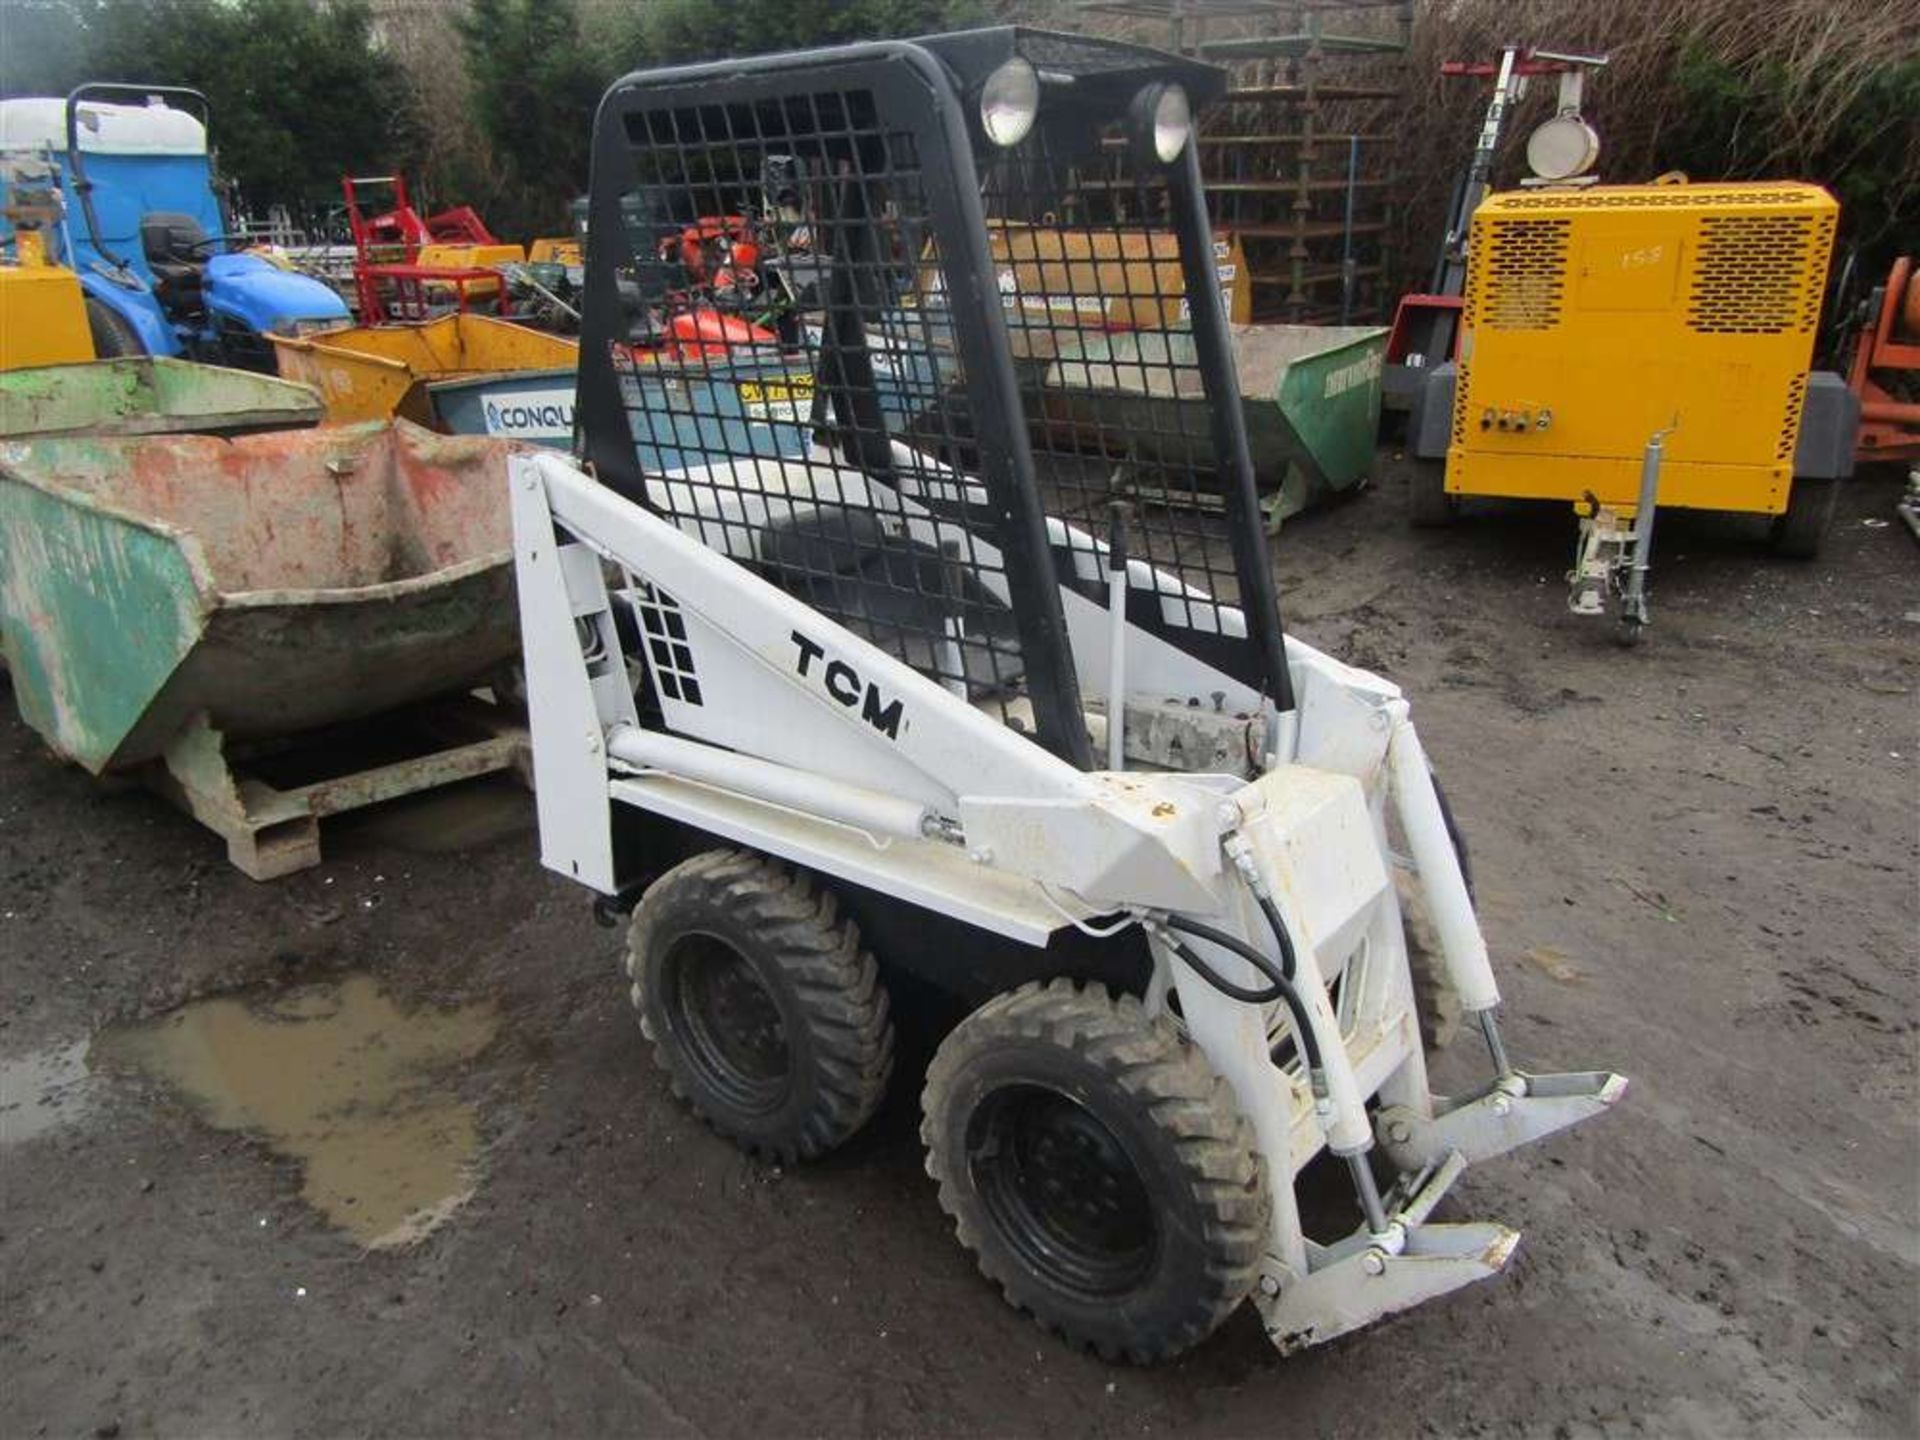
531, 414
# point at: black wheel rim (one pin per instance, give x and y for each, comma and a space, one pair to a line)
730, 1027
1062, 1190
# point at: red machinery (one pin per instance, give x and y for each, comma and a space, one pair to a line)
706, 334
721, 255
1888, 345
389, 275
403, 228
712, 244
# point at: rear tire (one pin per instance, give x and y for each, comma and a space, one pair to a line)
114, 337
767, 1015
1098, 1169
1799, 533
1428, 503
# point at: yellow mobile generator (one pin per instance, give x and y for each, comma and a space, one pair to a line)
1627, 347
43, 313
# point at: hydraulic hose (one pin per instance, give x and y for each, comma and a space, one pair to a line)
1280, 935
1280, 982
1455, 834
1276, 989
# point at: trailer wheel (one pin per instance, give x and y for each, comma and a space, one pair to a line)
113, 336
1098, 1169
767, 1015
1799, 533
1428, 503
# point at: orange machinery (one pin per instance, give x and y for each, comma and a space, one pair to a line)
1885, 372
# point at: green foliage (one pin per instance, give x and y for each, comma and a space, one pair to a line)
670, 30
534, 89
1750, 122
535, 80
304, 90
43, 47
299, 93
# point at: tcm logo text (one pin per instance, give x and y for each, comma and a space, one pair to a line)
844, 684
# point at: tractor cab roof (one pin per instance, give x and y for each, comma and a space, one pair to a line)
39, 123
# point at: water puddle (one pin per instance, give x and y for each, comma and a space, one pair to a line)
44, 1091
338, 1077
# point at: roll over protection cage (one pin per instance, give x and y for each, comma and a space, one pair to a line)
966, 300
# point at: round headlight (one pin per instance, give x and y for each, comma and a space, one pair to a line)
1562, 148
1172, 124
1009, 101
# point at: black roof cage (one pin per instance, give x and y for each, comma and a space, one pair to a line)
906, 368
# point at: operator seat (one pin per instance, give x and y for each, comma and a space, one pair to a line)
895, 591
177, 255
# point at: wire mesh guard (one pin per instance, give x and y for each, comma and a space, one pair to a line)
794, 385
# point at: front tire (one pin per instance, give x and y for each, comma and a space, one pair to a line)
113, 336
1098, 1169
767, 1015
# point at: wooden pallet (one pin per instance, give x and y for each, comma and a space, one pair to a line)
239, 789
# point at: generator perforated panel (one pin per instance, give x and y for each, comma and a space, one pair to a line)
1751, 274
1524, 276
905, 373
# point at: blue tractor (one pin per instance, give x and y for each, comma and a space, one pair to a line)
147, 235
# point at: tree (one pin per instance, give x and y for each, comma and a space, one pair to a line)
299, 91
534, 91
1859, 135
43, 47
445, 162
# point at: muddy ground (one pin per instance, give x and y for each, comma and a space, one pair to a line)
1697, 865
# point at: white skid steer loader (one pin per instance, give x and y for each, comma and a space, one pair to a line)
849, 594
